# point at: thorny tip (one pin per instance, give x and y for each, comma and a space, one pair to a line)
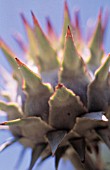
10, 122
19, 62
1, 42
49, 26
34, 19
4, 123
24, 20
100, 14
20, 42
68, 33
66, 6
59, 86
77, 18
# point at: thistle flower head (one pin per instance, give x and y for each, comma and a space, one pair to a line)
63, 110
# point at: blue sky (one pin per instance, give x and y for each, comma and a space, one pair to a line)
10, 23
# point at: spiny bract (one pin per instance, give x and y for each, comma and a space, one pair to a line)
63, 109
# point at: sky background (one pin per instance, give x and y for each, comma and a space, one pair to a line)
10, 23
